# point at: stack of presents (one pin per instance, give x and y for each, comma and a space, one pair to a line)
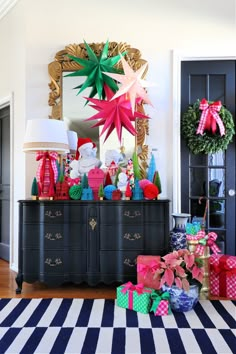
145, 296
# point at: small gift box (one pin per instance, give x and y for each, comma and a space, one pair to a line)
222, 275
160, 303
146, 268
134, 297
193, 228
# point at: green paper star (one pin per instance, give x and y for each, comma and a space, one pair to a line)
94, 68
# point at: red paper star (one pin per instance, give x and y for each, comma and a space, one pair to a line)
132, 83
114, 114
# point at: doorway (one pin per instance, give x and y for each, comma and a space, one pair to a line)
5, 183
212, 176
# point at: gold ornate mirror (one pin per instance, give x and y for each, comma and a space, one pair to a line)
59, 87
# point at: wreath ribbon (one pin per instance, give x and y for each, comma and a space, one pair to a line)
210, 117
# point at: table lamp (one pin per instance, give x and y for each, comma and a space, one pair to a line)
47, 138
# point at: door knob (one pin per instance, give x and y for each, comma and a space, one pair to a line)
231, 192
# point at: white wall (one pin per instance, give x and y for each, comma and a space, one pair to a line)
33, 31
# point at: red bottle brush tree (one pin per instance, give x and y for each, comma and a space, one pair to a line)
128, 191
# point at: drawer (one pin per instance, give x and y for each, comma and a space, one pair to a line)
54, 213
119, 262
44, 262
121, 237
77, 262
122, 214
54, 236
156, 212
155, 237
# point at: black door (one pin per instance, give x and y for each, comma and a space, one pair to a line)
210, 178
4, 182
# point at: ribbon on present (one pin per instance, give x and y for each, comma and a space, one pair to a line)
206, 240
130, 288
73, 181
146, 268
210, 117
224, 271
47, 160
156, 300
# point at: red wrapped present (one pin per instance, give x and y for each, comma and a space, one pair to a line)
146, 268
222, 275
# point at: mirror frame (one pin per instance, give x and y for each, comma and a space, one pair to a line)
63, 63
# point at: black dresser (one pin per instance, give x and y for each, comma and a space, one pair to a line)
88, 241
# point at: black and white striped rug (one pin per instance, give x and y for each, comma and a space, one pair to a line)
99, 326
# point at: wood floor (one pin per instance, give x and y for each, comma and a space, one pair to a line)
8, 288
37, 290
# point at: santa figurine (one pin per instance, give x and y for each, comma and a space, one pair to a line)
85, 158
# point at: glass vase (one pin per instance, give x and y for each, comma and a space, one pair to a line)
178, 234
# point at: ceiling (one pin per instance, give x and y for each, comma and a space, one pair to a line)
5, 6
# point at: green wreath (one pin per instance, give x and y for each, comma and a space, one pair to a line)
208, 142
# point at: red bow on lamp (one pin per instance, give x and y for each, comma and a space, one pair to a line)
210, 117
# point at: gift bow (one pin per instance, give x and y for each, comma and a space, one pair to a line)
72, 181
144, 269
52, 157
157, 298
210, 117
222, 266
139, 288
206, 240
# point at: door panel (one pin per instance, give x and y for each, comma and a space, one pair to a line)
207, 179
4, 182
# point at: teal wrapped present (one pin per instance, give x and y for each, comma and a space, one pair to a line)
134, 297
193, 228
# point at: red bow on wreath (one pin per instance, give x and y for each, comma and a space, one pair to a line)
210, 117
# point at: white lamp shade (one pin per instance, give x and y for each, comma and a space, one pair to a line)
46, 135
72, 138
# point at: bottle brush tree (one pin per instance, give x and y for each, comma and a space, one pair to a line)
157, 181
151, 168
136, 166
34, 187
85, 181
101, 191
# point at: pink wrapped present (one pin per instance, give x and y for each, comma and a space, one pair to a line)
160, 303
222, 275
146, 268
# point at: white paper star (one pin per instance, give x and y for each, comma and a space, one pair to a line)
132, 83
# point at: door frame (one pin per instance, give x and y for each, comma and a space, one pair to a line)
177, 58
8, 101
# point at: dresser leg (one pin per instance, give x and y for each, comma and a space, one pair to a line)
19, 281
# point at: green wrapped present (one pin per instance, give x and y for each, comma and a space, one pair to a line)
134, 297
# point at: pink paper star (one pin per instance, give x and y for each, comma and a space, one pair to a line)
132, 83
114, 114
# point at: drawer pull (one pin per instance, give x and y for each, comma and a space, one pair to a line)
131, 214
133, 237
93, 223
52, 237
53, 214
130, 263
52, 263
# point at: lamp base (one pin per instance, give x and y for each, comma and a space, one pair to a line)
46, 198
